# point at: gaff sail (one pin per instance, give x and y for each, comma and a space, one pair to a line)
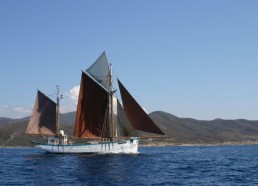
92, 107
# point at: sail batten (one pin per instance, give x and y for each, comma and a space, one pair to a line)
137, 116
43, 118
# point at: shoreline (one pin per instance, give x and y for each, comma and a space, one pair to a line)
198, 144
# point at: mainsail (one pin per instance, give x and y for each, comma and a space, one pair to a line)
43, 118
92, 110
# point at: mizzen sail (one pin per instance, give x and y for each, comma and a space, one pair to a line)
43, 118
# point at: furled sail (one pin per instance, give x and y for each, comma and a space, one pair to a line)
43, 118
92, 110
99, 70
136, 115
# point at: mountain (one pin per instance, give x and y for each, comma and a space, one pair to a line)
8, 120
68, 118
218, 131
180, 130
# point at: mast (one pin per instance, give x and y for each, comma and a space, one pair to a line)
58, 98
111, 112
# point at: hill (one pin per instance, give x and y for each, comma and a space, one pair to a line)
218, 131
180, 130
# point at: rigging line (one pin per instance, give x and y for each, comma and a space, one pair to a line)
105, 76
104, 124
54, 94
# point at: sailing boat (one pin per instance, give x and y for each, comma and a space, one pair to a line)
95, 118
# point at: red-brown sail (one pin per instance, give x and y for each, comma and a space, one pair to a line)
43, 118
92, 111
137, 116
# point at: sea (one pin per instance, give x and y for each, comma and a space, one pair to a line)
174, 165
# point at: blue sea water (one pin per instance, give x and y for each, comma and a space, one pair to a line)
207, 165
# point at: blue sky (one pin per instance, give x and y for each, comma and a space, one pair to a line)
195, 59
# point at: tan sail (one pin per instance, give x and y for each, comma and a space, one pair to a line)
92, 113
136, 115
43, 118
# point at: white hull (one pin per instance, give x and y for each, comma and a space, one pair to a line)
123, 147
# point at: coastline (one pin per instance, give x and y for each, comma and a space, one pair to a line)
229, 143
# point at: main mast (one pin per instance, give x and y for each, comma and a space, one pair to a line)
58, 97
111, 112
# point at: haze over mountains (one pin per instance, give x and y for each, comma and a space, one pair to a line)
180, 130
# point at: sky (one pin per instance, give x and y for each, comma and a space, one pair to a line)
193, 59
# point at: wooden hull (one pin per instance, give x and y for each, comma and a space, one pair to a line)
123, 147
